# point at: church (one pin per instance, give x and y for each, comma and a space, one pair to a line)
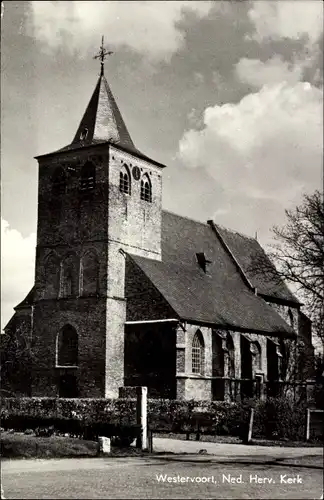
128, 294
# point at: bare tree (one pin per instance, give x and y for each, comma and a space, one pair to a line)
298, 254
17, 357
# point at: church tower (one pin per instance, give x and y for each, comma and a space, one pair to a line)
98, 198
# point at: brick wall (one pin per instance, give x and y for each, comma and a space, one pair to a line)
134, 223
134, 226
87, 316
189, 385
71, 224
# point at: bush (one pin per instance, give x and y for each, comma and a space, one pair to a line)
85, 418
44, 431
207, 417
274, 418
279, 418
122, 441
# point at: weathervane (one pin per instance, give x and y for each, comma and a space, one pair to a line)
102, 54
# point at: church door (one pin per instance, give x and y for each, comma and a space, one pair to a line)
68, 386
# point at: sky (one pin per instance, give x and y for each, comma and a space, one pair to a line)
228, 95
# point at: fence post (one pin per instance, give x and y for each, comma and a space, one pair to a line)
250, 425
141, 416
150, 441
307, 424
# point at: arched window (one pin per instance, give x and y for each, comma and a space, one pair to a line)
58, 182
198, 353
88, 177
69, 277
125, 181
89, 274
231, 355
67, 347
146, 189
52, 276
255, 349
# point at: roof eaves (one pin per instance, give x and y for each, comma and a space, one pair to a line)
221, 326
137, 154
79, 147
67, 149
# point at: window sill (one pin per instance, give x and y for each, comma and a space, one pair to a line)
66, 367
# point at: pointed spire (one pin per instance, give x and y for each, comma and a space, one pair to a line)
102, 120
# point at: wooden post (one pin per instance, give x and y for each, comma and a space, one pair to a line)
141, 417
249, 439
150, 441
307, 424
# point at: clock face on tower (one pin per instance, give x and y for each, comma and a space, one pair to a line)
136, 173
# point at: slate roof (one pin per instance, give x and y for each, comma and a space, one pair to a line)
103, 119
247, 251
28, 300
104, 124
219, 297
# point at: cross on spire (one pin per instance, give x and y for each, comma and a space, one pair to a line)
102, 54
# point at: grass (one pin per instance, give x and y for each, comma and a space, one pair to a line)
18, 445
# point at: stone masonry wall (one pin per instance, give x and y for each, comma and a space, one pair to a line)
134, 226
87, 316
189, 385
103, 221
71, 224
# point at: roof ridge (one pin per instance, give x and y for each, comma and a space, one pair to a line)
234, 231
217, 224
185, 217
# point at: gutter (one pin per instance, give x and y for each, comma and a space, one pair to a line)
148, 321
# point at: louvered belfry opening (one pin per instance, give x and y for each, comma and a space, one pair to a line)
124, 181
59, 182
146, 189
88, 177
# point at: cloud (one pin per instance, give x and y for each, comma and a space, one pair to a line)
275, 70
268, 146
199, 78
148, 27
17, 268
287, 19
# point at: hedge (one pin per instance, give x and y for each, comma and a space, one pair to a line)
79, 414
86, 418
277, 418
